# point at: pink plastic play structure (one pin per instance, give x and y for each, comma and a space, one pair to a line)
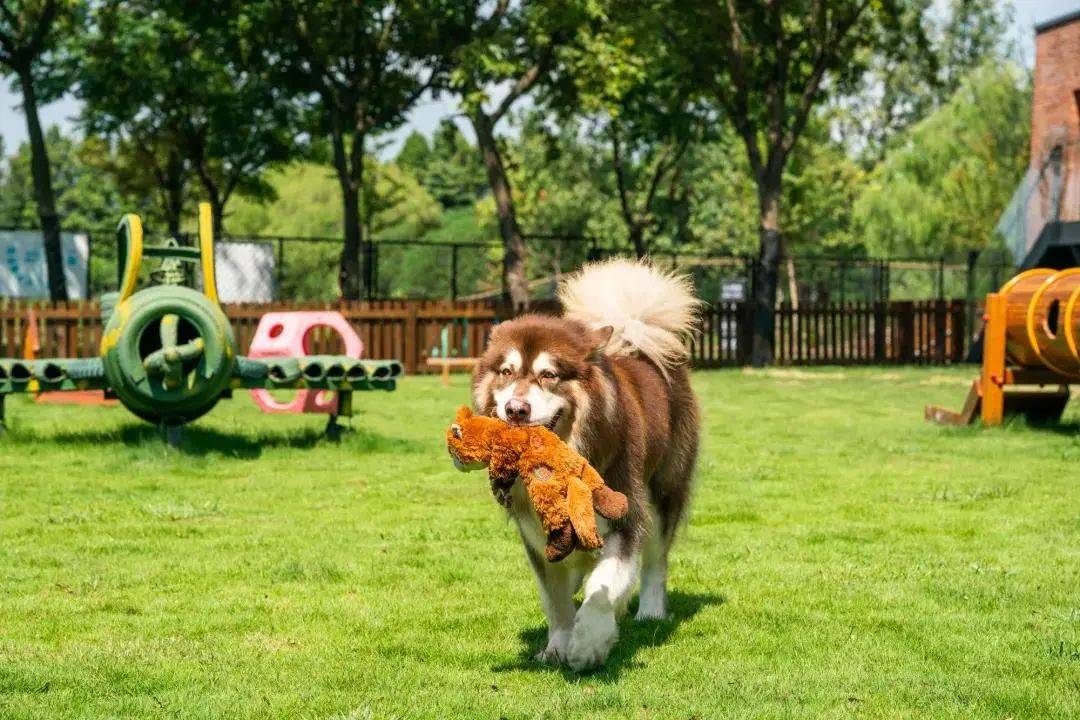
287, 334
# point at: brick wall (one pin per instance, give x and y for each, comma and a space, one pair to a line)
1055, 107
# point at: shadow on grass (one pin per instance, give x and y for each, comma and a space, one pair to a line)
196, 441
633, 636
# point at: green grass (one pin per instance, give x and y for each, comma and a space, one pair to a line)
843, 559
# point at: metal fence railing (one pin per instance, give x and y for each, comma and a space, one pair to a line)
305, 269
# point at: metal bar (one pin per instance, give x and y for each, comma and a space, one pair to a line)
453, 272
280, 267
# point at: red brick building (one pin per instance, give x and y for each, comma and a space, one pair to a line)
1041, 225
1055, 103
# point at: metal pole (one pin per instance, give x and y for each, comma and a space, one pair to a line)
373, 269
453, 272
969, 295
941, 277
89, 260
280, 268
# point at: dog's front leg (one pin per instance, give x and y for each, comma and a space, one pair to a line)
557, 583
607, 591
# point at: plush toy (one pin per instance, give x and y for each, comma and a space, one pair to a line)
563, 487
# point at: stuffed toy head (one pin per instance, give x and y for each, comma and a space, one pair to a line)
469, 439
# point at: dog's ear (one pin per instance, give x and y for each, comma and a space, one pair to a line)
463, 413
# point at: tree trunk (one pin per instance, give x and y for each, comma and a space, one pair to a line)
766, 275
515, 283
174, 192
350, 172
637, 239
793, 282
43, 189
349, 276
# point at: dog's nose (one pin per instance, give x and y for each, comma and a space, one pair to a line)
518, 410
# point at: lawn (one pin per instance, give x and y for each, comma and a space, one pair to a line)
843, 559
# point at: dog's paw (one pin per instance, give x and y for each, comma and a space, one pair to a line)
555, 652
646, 614
593, 636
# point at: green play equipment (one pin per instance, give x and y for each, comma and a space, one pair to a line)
168, 353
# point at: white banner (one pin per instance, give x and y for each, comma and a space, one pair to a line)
245, 271
23, 273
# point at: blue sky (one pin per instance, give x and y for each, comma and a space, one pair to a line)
426, 116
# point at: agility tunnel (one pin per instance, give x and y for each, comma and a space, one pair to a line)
1031, 351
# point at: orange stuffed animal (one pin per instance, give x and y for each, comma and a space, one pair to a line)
563, 487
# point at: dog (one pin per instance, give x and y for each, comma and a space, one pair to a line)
611, 378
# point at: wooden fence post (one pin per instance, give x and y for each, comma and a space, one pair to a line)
958, 331
744, 319
941, 310
906, 319
412, 355
880, 330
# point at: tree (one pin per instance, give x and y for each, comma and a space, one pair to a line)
183, 88
900, 88
452, 172
765, 64
362, 66
517, 46
941, 188
30, 50
308, 204
626, 78
414, 154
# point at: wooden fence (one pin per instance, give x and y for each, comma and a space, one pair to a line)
840, 334
410, 330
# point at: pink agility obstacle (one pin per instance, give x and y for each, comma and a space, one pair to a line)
288, 334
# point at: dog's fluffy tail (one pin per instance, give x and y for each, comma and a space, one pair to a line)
651, 311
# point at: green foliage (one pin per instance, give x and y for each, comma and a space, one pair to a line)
941, 189
308, 204
414, 154
83, 201
171, 79
452, 170
902, 87
821, 184
38, 37
87, 200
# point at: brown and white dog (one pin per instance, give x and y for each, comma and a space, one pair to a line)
611, 378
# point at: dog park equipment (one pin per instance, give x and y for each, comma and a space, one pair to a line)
288, 334
168, 353
1031, 350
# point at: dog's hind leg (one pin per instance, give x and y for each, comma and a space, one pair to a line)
669, 493
652, 601
557, 583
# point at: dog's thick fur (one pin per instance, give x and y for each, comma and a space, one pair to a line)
611, 378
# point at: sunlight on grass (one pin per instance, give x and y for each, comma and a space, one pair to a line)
843, 558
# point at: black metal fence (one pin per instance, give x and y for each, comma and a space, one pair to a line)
303, 269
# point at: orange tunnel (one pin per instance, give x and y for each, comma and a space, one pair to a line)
1042, 320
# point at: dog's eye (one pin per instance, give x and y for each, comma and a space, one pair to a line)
548, 375
506, 372
456, 429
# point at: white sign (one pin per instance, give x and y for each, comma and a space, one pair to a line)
733, 290
245, 271
23, 273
